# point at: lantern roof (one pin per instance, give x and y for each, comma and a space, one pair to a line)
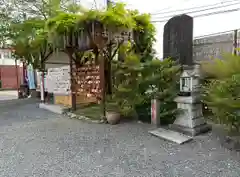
190, 73
186, 74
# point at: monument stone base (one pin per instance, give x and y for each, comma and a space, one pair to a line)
204, 128
190, 121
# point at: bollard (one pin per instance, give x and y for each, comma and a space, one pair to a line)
155, 118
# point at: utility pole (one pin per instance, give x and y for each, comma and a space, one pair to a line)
108, 3
235, 42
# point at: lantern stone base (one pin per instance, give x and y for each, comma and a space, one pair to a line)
190, 120
204, 128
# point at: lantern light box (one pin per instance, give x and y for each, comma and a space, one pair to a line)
188, 82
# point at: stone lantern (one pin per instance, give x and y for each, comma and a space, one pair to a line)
190, 120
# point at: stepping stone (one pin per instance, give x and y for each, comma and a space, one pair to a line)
170, 135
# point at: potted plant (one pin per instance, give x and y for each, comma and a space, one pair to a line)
113, 115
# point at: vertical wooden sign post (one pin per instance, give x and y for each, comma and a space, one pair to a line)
72, 83
155, 118
103, 85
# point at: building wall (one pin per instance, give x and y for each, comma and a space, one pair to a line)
57, 60
6, 57
8, 76
8, 70
210, 47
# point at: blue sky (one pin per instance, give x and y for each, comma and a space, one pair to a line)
202, 25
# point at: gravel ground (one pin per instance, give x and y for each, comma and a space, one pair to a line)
38, 143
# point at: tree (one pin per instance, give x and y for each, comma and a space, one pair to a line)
144, 36
23, 23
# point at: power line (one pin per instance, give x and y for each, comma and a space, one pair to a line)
207, 9
167, 8
95, 3
194, 8
202, 15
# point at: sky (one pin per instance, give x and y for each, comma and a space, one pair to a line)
202, 25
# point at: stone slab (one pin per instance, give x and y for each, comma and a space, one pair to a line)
171, 135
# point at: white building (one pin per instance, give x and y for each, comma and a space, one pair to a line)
6, 57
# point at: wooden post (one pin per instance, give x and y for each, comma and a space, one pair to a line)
23, 74
155, 119
102, 83
73, 91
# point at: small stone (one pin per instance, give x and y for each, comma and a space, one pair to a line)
80, 117
95, 121
73, 116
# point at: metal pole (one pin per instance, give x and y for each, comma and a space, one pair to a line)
42, 85
42, 89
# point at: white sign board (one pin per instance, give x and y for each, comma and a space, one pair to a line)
58, 80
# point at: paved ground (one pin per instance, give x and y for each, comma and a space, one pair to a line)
8, 95
37, 143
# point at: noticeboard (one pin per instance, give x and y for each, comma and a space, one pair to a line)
58, 80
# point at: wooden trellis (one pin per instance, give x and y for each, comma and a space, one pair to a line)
88, 81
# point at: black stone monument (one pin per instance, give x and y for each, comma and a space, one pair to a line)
178, 39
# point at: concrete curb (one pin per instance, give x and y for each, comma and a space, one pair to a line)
83, 118
52, 108
66, 112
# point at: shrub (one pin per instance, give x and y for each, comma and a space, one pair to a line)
221, 92
137, 83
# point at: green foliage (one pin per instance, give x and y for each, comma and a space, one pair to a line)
114, 17
52, 18
23, 23
136, 83
221, 92
144, 36
224, 68
29, 41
